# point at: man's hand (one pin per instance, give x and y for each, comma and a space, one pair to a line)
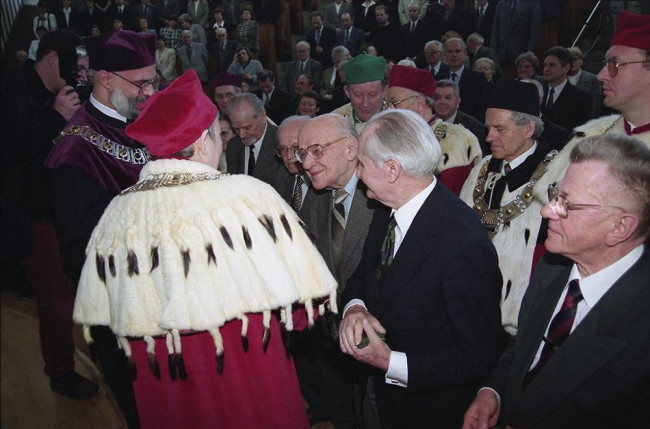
358, 320
67, 102
483, 412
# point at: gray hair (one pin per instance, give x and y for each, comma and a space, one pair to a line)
186, 17
341, 51
406, 62
186, 31
188, 152
629, 163
522, 119
528, 56
221, 30
292, 119
463, 46
405, 137
246, 98
487, 61
303, 43
437, 44
448, 83
475, 37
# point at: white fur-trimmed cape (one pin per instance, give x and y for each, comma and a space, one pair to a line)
193, 257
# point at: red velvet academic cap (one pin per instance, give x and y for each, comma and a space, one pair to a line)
418, 80
632, 30
174, 118
225, 79
120, 50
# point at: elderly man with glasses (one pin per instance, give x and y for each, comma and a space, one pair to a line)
93, 160
579, 358
339, 216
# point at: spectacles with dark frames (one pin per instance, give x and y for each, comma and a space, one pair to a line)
394, 104
561, 205
315, 151
282, 151
154, 82
613, 65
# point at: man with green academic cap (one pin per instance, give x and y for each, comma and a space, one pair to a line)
365, 88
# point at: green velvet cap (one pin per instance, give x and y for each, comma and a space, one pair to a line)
364, 68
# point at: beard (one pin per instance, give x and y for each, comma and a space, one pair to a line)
127, 107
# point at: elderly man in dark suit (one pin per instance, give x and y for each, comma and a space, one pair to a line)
472, 84
415, 33
563, 103
193, 55
588, 82
580, 357
339, 216
252, 151
435, 306
482, 18
224, 49
351, 37
302, 65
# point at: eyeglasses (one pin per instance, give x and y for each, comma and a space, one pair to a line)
613, 65
315, 151
561, 205
155, 83
432, 52
394, 104
282, 151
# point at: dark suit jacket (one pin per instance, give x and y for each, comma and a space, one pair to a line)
599, 378
327, 42
457, 21
277, 107
572, 107
356, 41
387, 41
473, 92
476, 128
515, 33
333, 19
268, 167
312, 67
285, 189
367, 21
439, 304
484, 25
413, 44
136, 12
75, 23
225, 56
356, 230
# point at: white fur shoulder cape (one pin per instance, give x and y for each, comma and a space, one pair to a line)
194, 256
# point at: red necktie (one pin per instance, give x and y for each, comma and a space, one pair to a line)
559, 329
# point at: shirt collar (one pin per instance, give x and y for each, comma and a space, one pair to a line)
404, 215
106, 110
594, 286
521, 158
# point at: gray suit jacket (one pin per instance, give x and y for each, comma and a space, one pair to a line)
600, 376
198, 61
268, 167
333, 19
312, 67
514, 33
356, 229
590, 84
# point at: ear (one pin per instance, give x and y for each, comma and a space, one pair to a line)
346, 90
393, 169
624, 228
353, 148
104, 78
529, 130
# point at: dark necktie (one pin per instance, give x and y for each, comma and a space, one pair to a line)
347, 36
454, 76
559, 329
507, 168
412, 27
318, 37
387, 246
188, 49
549, 102
338, 225
296, 201
251, 160
302, 67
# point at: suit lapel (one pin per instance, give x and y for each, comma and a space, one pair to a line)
267, 153
595, 342
358, 218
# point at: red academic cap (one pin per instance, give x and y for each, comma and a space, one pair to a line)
120, 50
225, 79
418, 80
632, 30
174, 118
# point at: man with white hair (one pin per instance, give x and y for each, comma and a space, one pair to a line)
304, 64
416, 304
